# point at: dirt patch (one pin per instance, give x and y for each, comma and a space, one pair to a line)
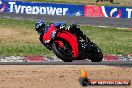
40, 76
16, 35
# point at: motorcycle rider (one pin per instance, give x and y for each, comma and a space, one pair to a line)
47, 32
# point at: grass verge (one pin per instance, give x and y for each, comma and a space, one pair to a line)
18, 37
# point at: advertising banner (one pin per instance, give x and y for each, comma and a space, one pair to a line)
2, 6
118, 12
64, 9
41, 8
93, 11
107, 11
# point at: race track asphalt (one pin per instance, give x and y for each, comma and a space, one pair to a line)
96, 21
115, 63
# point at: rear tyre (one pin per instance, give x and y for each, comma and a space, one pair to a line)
60, 52
97, 57
96, 54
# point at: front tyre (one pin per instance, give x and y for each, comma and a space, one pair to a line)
65, 55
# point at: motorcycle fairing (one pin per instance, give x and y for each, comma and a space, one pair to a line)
72, 39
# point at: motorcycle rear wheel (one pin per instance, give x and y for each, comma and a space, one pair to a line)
97, 57
96, 54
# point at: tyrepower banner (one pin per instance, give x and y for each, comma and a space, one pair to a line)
41, 8
107, 11
11, 6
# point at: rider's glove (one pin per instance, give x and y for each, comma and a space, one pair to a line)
53, 34
63, 26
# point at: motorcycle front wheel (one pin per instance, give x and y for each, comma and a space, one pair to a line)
64, 53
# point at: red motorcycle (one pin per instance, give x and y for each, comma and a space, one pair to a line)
68, 47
